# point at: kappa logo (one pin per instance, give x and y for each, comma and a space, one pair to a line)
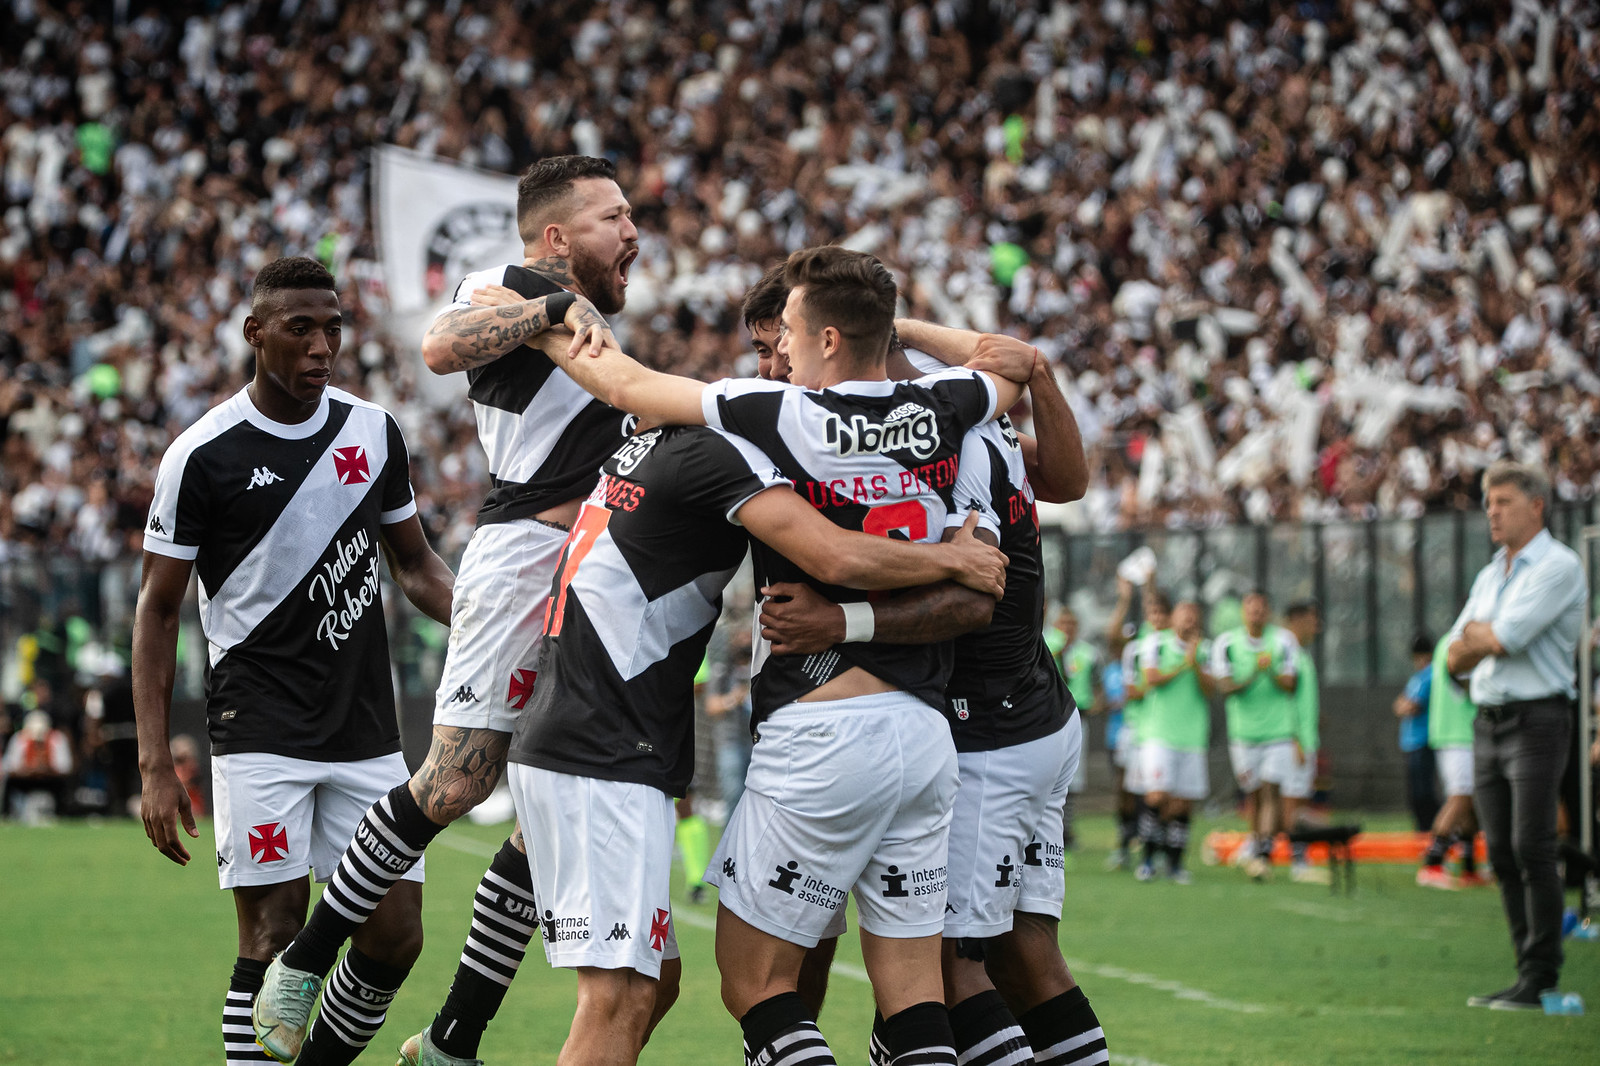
260, 477
729, 869
521, 688
464, 694
269, 842
350, 465
619, 931
658, 930
222, 860
155, 524
910, 427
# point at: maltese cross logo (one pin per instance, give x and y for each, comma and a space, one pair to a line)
521, 688
658, 930
350, 465
269, 843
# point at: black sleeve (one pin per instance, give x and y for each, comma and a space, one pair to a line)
397, 491
714, 476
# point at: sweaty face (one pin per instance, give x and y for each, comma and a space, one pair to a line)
603, 243
296, 335
771, 365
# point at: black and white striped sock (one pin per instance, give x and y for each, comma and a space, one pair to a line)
920, 1036
1177, 840
781, 1032
354, 1002
238, 1036
1065, 1032
986, 1034
504, 918
877, 1050
389, 840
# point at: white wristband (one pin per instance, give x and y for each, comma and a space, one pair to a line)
859, 622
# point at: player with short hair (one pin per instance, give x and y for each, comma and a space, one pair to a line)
608, 739
1304, 621
1176, 727
851, 784
545, 439
282, 498
1254, 666
1450, 716
1126, 643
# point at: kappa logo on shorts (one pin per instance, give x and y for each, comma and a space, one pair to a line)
619, 931
464, 694
1003, 868
730, 869
221, 860
269, 842
521, 688
658, 931
350, 465
894, 883
786, 878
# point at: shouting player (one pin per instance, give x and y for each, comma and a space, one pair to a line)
545, 440
281, 498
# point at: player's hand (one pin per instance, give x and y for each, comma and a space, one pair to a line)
495, 296
1006, 356
1299, 754
590, 334
978, 565
164, 803
1191, 657
798, 620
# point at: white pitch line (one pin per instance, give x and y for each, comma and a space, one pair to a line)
1178, 990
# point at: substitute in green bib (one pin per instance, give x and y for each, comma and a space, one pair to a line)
1450, 716
1304, 620
1176, 731
1255, 667
1078, 661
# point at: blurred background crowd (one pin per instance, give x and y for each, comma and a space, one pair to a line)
1300, 262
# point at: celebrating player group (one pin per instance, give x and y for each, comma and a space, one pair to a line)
914, 739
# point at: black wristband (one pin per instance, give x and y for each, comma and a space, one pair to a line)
556, 306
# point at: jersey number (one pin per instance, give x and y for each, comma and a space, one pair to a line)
592, 522
907, 515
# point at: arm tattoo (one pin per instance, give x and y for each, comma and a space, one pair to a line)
929, 614
462, 768
480, 335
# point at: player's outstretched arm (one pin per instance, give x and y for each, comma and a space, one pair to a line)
155, 664
499, 320
952, 347
1057, 467
784, 522
613, 377
425, 579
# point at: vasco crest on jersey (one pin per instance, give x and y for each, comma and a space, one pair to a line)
910, 427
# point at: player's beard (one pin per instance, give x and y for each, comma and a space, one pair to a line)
598, 281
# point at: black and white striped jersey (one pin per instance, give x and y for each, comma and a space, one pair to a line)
1005, 688
874, 456
545, 437
633, 605
282, 522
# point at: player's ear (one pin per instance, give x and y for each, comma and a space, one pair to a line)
555, 238
252, 331
831, 340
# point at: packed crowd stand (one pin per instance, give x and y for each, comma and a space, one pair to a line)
1291, 266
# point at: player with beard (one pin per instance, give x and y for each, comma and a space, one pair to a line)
545, 439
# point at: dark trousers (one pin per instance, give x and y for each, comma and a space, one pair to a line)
1422, 787
1518, 755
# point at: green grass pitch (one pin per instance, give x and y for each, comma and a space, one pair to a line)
110, 954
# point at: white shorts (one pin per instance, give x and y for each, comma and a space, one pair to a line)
601, 857
1255, 765
1128, 745
842, 795
497, 624
999, 806
1455, 769
1183, 774
1044, 859
1300, 780
277, 819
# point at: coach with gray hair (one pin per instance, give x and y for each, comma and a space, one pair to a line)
1517, 637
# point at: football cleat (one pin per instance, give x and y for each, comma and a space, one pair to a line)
1145, 872
282, 1010
1258, 869
419, 1051
1436, 877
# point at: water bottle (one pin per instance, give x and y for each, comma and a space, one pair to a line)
1562, 1002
